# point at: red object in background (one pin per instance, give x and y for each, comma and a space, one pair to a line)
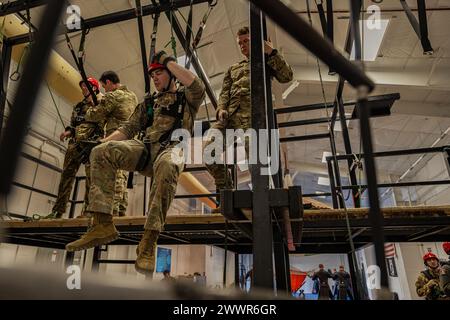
297, 279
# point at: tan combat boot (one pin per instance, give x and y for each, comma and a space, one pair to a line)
101, 232
145, 261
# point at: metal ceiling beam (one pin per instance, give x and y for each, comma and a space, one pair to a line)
421, 26
114, 17
314, 42
11, 7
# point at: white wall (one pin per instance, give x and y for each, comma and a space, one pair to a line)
214, 266
434, 169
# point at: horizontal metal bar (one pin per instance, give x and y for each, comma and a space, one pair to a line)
391, 153
15, 215
41, 162
320, 106
112, 18
306, 137
20, 185
313, 195
11, 7
403, 184
305, 122
202, 195
309, 107
76, 201
116, 261
195, 169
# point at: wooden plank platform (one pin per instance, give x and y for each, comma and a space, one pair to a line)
324, 230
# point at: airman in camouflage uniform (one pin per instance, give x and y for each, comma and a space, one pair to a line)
158, 117
115, 108
427, 283
80, 129
234, 109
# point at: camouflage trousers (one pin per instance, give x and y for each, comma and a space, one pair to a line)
72, 162
121, 194
111, 156
220, 172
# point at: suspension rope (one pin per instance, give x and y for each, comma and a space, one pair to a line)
153, 37
55, 104
79, 61
340, 192
15, 76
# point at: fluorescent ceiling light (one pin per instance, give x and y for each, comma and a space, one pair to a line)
317, 192
291, 88
181, 60
325, 155
372, 39
337, 125
323, 181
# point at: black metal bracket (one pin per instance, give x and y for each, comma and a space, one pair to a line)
421, 26
232, 201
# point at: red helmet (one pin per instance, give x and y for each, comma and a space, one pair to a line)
92, 81
155, 66
446, 247
428, 256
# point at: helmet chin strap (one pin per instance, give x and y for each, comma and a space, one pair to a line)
172, 78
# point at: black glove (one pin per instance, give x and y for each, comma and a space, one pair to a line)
85, 148
163, 58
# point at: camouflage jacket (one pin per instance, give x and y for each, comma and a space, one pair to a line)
236, 84
428, 287
81, 128
162, 121
114, 109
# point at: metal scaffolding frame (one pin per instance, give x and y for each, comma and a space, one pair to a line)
263, 237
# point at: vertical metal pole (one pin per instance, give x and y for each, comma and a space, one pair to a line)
287, 263
334, 197
27, 91
353, 275
145, 197
280, 175
6, 62
375, 217
282, 269
142, 45
270, 112
225, 257
426, 45
236, 270
348, 150
95, 258
262, 224
69, 258
235, 168
337, 171
74, 198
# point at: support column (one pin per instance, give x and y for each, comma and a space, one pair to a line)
5, 65
262, 224
375, 216
353, 275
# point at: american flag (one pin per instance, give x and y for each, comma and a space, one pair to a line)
389, 250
